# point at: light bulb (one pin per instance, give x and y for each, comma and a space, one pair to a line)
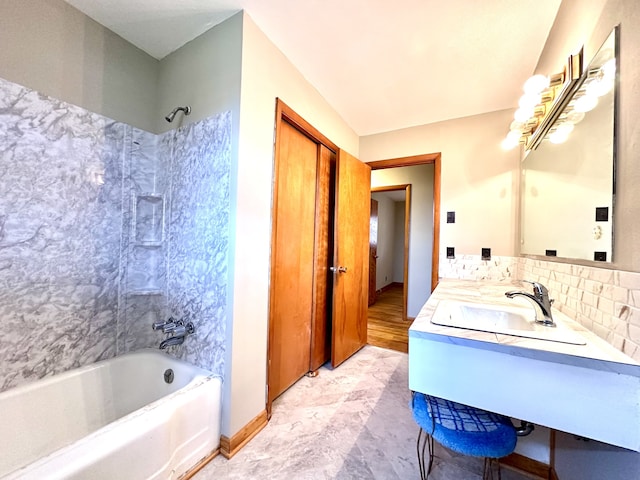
523, 114
517, 126
574, 117
511, 141
529, 100
609, 69
536, 84
561, 134
600, 87
586, 103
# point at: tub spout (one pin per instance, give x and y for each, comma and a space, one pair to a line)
177, 329
171, 341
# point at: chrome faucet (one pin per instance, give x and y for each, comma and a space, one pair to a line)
178, 330
171, 341
540, 298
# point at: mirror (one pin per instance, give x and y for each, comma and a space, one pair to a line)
568, 180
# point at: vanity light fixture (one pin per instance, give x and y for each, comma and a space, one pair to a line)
543, 100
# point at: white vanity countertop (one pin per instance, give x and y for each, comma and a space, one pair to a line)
597, 353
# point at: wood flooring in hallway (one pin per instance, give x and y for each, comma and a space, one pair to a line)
386, 327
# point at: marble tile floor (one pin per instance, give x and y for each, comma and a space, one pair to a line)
353, 422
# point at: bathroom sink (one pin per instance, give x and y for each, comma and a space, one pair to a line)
502, 319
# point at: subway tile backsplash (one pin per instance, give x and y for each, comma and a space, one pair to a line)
473, 267
607, 302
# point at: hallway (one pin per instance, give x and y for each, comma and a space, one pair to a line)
386, 327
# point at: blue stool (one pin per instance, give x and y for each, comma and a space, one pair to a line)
463, 429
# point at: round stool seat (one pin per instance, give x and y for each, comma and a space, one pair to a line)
464, 429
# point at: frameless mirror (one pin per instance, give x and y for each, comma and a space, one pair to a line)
568, 180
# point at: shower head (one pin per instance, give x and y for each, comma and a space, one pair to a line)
186, 109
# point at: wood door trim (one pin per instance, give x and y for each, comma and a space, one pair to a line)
283, 111
407, 229
424, 159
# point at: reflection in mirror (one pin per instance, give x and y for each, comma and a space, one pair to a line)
568, 180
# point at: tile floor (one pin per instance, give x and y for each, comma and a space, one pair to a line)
353, 422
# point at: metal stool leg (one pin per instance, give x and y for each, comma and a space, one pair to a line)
487, 473
427, 442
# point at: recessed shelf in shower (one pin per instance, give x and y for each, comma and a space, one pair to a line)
148, 215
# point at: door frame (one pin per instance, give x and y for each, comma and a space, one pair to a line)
407, 225
434, 159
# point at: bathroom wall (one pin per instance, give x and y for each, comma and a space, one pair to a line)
51, 47
104, 229
398, 242
385, 239
479, 180
420, 227
266, 75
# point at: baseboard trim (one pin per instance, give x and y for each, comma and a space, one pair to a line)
528, 465
199, 466
389, 286
230, 446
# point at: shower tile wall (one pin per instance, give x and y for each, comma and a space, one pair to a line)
181, 270
85, 236
60, 222
198, 237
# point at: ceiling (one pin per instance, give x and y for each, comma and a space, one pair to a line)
381, 64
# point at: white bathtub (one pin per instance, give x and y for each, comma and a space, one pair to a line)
115, 419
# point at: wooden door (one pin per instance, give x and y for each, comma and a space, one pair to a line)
373, 251
320, 331
292, 275
351, 257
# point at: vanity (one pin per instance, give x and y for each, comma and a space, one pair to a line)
464, 347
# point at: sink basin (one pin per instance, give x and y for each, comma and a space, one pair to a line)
502, 319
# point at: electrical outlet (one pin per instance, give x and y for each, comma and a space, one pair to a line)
600, 256
451, 217
451, 252
486, 254
602, 214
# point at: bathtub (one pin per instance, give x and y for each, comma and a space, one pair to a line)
115, 419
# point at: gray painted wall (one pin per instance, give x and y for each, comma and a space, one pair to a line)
53, 48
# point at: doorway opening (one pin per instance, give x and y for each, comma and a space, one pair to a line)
388, 266
403, 286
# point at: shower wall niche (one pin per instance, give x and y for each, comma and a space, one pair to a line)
104, 229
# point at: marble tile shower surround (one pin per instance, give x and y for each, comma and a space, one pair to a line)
76, 254
181, 271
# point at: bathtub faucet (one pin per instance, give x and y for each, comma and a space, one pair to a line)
178, 330
171, 341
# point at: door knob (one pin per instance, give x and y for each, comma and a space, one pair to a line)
338, 269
